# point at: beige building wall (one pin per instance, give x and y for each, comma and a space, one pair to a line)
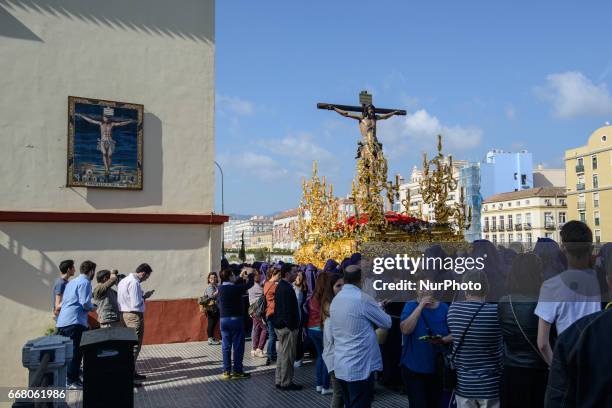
534, 213
589, 199
157, 53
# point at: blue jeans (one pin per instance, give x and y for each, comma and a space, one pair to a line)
322, 374
271, 340
232, 337
74, 332
357, 394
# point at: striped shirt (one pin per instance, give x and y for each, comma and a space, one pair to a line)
480, 358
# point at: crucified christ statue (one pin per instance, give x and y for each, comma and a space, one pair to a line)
367, 124
106, 144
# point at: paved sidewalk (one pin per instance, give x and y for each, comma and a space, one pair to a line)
188, 375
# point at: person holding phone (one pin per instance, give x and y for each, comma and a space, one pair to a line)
423, 326
131, 305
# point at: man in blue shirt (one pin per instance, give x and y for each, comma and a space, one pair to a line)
354, 316
72, 319
66, 268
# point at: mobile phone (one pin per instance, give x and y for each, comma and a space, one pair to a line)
429, 337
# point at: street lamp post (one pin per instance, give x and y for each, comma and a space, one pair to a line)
222, 206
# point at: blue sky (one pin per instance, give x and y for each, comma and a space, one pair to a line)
486, 75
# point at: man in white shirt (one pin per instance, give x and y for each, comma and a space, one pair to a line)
131, 305
354, 317
572, 294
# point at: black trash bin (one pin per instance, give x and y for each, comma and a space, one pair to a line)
108, 367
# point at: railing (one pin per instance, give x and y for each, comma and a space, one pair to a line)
485, 228
501, 228
493, 228
580, 186
518, 227
527, 226
581, 205
549, 225
509, 227
580, 168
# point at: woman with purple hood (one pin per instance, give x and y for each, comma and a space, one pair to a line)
494, 268
552, 257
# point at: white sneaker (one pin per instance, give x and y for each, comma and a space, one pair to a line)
260, 354
253, 353
327, 391
297, 363
319, 388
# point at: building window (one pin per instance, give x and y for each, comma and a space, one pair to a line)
509, 203
582, 216
562, 201
528, 219
549, 221
486, 223
526, 202
549, 235
501, 222
598, 236
510, 237
518, 203
594, 162
519, 237
501, 238
519, 219
595, 181
596, 200
494, 222
486, 237
596, 218
561, 218
494, 237
510, 221
529, 239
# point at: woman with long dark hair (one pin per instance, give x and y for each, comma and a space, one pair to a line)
301, 292
212, 311
315, 331
525, 371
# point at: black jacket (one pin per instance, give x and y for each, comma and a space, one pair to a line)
286, 313
518, 351
581, 371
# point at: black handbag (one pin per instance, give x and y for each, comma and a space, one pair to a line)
449, 376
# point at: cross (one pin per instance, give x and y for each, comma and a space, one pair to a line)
365, 99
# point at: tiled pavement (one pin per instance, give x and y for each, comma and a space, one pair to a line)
187, 375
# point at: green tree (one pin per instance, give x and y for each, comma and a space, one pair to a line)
260, 254
242, 252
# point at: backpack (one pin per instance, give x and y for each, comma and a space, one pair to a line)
258, 308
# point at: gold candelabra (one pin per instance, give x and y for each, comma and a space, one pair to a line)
436, 185
318, 210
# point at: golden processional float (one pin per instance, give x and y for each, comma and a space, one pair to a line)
372, 231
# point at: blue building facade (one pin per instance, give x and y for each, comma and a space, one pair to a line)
469, 180
503, 172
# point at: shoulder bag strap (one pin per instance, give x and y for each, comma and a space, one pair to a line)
522, 331
465, 332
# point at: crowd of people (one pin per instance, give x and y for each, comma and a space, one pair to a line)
73, 299
532, 333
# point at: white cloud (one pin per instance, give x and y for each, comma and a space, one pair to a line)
236, 105
572, 94
259, 165
419, 130
300, 146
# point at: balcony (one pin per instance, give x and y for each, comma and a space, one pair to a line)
501, 228
580, 168
509, 228
494, 228
485, 228
580, 186
518, 227
549, 226
527, 226
581, 205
